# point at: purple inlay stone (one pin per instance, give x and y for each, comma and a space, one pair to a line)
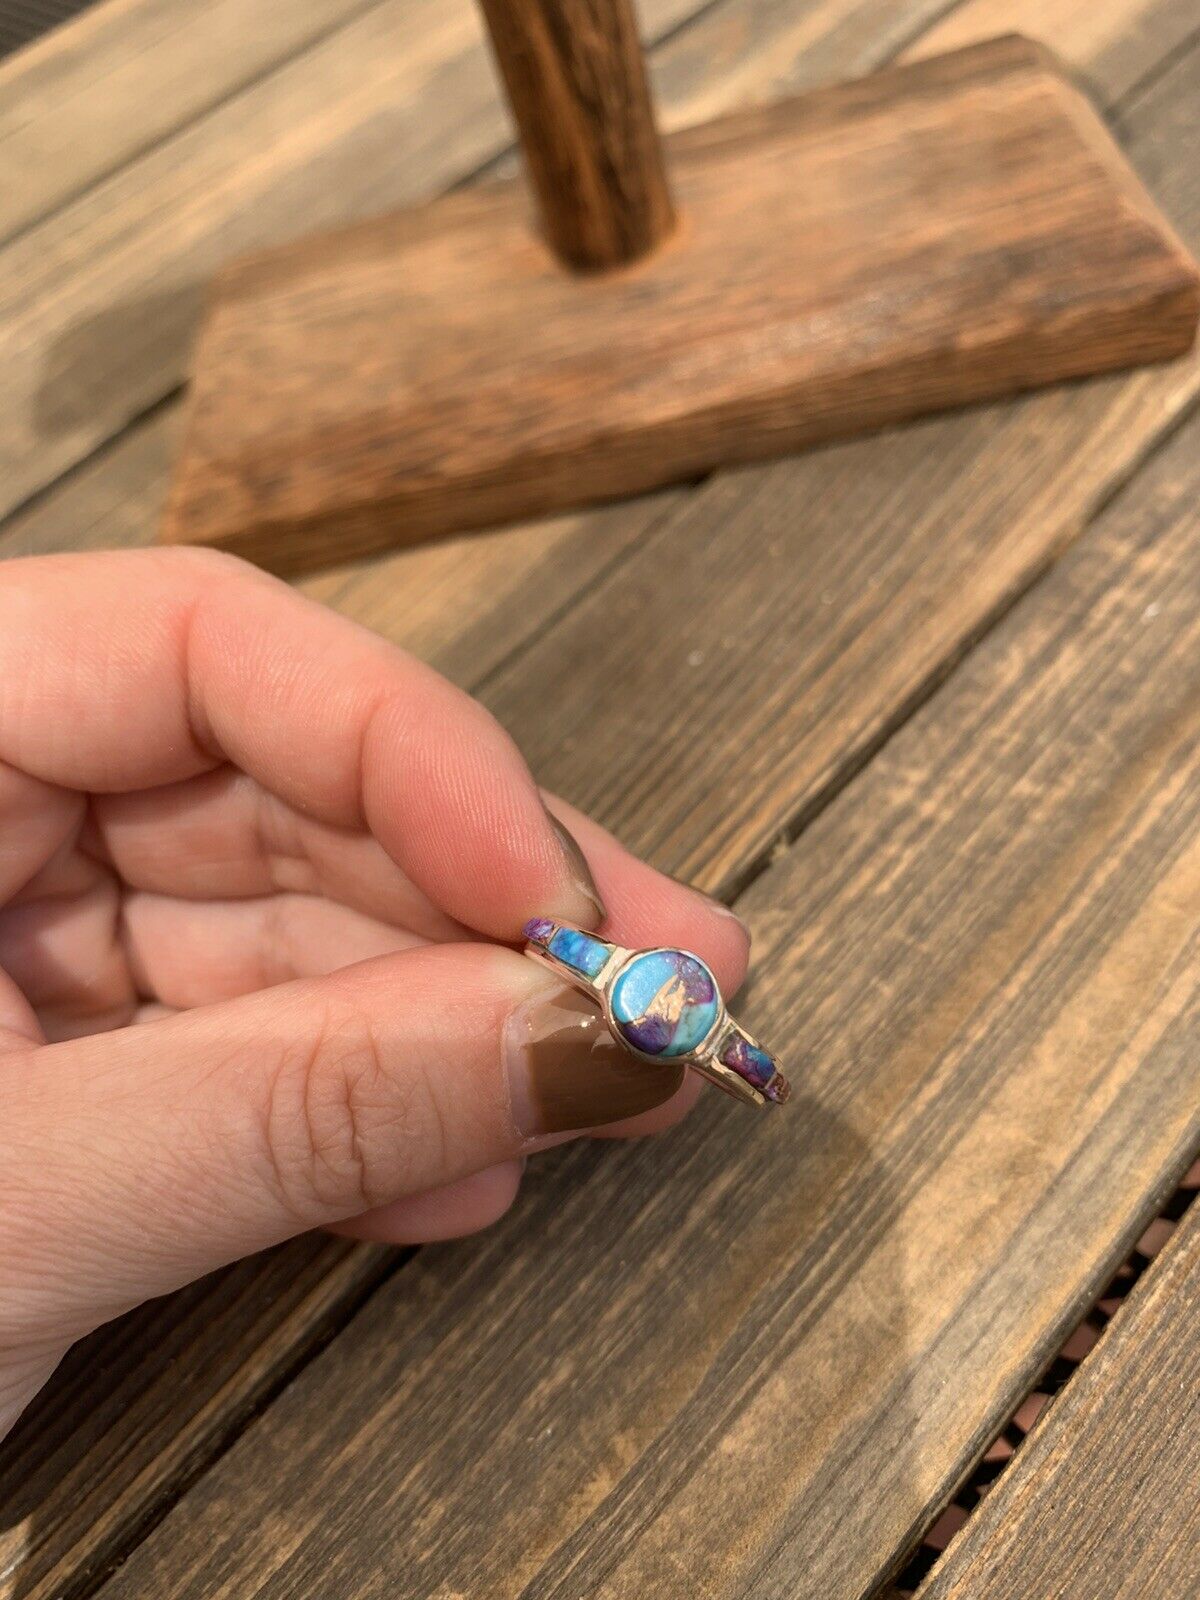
749, 1062
539, 929
579, 951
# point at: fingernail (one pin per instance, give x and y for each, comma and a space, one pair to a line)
566, 1073
718, 906
578, 870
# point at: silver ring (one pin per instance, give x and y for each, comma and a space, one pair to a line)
663, 1004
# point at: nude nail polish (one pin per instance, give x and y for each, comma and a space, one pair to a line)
719, 907
579, 871
566, 1072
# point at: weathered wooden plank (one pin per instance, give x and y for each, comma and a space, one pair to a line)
1060, 1371
98, 302
117, 1434
1112, 49
93, 94
103, 298
755, 1357
116, 498
735, 55
1102, 1501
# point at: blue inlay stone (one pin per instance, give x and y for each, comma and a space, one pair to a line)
540, 930
665, 1002
579, 951
748, 1061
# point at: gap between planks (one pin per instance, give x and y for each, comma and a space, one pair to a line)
1058, 1376
1100, 1499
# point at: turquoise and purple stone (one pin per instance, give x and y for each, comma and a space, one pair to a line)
664, 1003
579, 951
748, 1061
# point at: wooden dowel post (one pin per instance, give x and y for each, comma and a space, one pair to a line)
576, 78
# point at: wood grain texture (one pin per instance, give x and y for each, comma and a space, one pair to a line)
465, 605
577, 83
931, 236
97, 92
731, 52
815, 601
738, 55
1045, 462
137, 1409
98, 303
1102, 1499
754, 1358
1100, 40
72, 375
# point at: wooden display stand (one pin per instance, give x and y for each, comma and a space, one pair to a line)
933, 235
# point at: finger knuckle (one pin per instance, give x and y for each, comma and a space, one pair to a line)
339, 1122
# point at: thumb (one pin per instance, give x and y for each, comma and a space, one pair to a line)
134, 1161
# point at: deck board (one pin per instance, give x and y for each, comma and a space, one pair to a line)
137, 1410
1102, 1499
85, 99
99, 300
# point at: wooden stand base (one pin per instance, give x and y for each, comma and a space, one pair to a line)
933, 235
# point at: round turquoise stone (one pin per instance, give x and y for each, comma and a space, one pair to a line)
664, 1003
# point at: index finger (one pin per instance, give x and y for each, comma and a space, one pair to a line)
129, 670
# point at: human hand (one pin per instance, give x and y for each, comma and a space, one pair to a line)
254, 862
